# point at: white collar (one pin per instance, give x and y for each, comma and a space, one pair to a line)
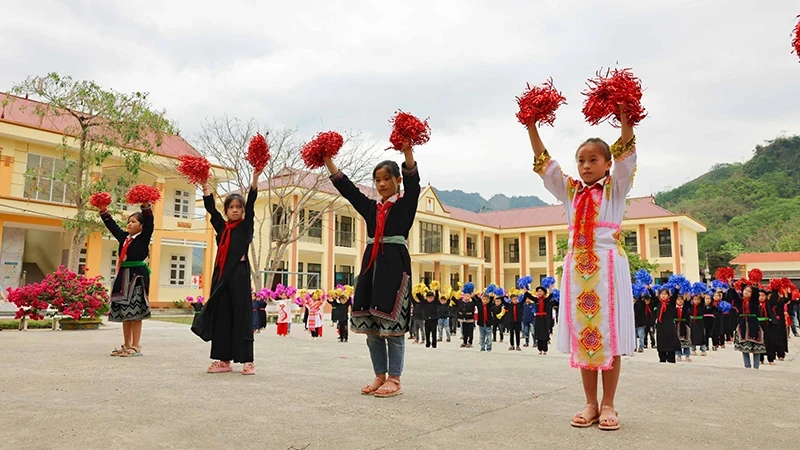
392, 199
134, 236
601, 182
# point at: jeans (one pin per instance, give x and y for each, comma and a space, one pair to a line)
650, 331
756, 360
682, 352
418, 329
702, 348
527, 331
640, 337
444, 325
795, 315
387, 354
486, 338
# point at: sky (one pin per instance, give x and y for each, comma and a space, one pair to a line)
719, 76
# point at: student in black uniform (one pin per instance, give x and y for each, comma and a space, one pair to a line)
514, 313
543, 319
498, 309
418, 319
431, 315
667, 334
486, 319
466, 317
708, 319
682, 328
718, 331
697, 324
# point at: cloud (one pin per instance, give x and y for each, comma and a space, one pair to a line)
719, 80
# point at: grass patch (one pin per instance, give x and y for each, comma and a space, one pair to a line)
9, 324
184, 320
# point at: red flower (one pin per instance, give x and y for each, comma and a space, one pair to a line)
755, 275
724, 274
796, 39
100, 200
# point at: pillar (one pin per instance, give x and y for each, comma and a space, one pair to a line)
294, 253
676, 252
328, 240
642, 239
497, 260
551, 253
94, 254
523, 254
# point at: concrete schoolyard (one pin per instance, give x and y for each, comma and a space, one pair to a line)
61, 390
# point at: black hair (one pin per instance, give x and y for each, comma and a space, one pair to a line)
390, 166
600, 145
139, 217
663, 290
541, 288
230, 198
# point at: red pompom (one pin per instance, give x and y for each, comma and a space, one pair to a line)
142, 193
755, 275
196, 168
607, 92
739, 285
258, 152
407, 127
100, 200
796, 39
775, 284
724, 274
538, 104
324, 145
787, 283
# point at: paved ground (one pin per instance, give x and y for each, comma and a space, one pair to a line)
61, 390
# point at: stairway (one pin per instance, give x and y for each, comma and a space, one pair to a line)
32, 273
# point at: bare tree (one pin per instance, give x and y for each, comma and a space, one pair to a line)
289, 189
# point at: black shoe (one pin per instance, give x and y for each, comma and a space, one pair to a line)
428, 346
519, 349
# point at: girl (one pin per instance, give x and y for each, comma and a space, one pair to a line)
597, 324
683, 330
284, 316
314, 303
777, 344
666, 332
542, 322
129, 303
718, 332
749, 336
708, 320
343, 317
466, 316
381, 308
226, 318
697, 325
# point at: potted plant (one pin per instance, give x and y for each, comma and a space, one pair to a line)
31, 301
83, 300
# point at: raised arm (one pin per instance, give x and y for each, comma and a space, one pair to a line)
147, 222
410, 177
624, 153
554, 179
112, 226
349, 191
211, 208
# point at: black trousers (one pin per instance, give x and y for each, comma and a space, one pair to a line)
649, 330
514, 332
666, 356
430, 332
718, 340
453, 324
542, 344
227, 342
343, 331
773, 350
468, 329
502, 329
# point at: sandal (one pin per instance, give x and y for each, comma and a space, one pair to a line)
220, 367
586, 421
131, 351
118, 351
609, 422
249, 369
373, 386
389, 391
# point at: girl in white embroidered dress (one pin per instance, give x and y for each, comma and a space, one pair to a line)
596, 316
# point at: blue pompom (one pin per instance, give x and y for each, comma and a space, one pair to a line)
642, 276
498, 291
468, 288
547, 282
716, 284
524, 282
668, 286
680, 280
638, 290
490, 289
724, 306
657, 288
699, 288
556, 295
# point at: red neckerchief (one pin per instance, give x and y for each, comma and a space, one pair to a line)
485, 315
680, 312
540, 308
746, 305
762, 307
380, 225
694, 311
224, 243
123, 254
664, 304
647, 310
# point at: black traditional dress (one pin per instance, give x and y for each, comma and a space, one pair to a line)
227, 317
697, 324
751, 331
381, 301
778, 342
666, 332
132, 283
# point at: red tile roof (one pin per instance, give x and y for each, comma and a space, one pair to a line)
21, 111
638, 208
767, 257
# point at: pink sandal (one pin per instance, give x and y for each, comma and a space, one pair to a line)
611, 421
587, 422
220, 367
249, 369
373, 386
387, 390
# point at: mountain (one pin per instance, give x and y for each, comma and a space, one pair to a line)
752, 206
474, 202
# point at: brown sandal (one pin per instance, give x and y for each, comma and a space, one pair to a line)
611, 420
586, 421
373, 386
118, 351
388, 391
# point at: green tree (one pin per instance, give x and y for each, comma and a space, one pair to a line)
101, 124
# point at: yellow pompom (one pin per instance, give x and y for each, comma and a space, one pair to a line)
435, 285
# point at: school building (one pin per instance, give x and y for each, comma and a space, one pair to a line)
773, 264
34, 204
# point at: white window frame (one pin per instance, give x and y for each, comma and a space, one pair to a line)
175, 263
113, 269
181, 204
39, 193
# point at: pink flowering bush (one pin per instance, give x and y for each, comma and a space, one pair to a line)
70, 294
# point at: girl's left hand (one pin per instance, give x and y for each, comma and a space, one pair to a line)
407, 146
146, 205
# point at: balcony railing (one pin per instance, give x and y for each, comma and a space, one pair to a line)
512, 257
455, 250
473, 252
344, 239
661, 250
487, 256
307, 237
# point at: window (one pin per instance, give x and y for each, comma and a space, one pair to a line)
300, 284
41, 179
631, 241
454, 279
664, 277
278, 276
113, 268
313, 281
487, 249
542, 246
280, 224
471, 250
82, 261
344, 275
429, 205
427, 277
344, 231
430, 237
311, 226
177, 270
664, 244
180, 208
512, 254
454, 250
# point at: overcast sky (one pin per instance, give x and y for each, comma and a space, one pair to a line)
719, 75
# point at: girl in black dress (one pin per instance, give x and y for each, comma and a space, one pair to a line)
129, 303
666, 332
226, 319
381, 304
